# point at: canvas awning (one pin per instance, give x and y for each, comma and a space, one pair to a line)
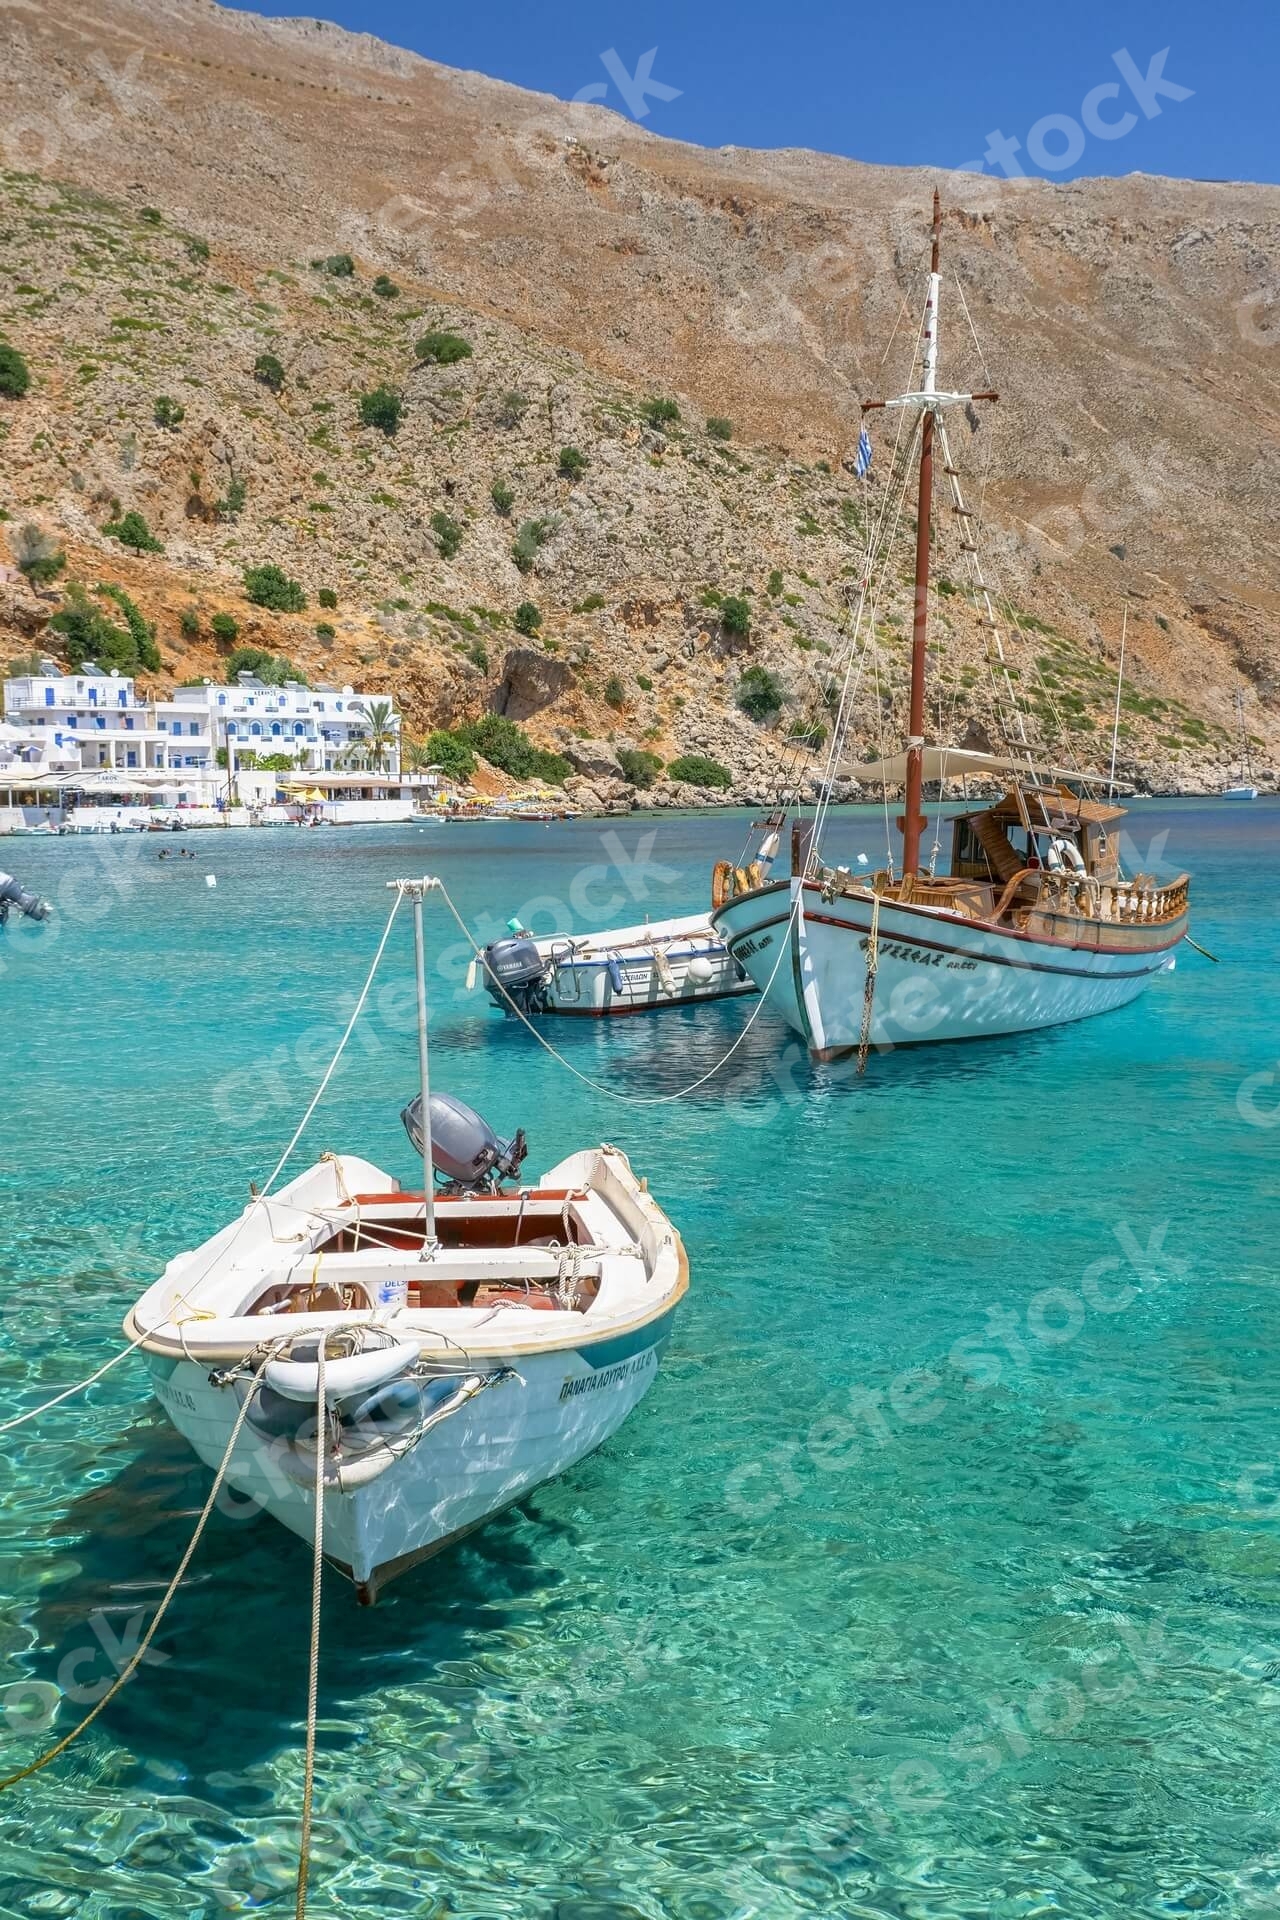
953, 763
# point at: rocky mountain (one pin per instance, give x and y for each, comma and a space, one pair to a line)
185, 188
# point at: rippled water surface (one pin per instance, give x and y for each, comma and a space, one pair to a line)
936, 1577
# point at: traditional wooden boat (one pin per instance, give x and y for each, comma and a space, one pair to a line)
1034, 921
476, 1342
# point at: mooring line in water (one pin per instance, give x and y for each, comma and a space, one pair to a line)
79, 1387
136, 1659
598, 1086
1190, 942
313, 1669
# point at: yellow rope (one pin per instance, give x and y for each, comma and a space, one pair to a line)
313, 1675
127, 1672
869, 990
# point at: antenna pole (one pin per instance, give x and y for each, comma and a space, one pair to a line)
414, 890
913, 810
1115, 725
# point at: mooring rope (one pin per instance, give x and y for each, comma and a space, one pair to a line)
869, 989
598, 1086
135, 1661
313, 1670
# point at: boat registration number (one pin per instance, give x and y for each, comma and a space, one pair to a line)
745, 948
920, 956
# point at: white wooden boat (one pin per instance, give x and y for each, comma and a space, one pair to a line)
477, 1341
665, 963
1034, 922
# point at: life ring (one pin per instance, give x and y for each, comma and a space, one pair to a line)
358, 1373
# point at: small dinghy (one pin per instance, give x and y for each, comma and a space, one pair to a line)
446, 1351
669, 963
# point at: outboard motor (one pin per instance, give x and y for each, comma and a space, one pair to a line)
464, 1148
13, 895
514, 971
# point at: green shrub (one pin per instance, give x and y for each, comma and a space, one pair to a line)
324, 631
131, 530
224, 627
37, 555
448, 533
478, 656
512, 408
638, 766
385, 287
340, 265
699, 770
327, 597
268, 586
381, 408
719, 428
141, 631
87, 633
532, 535
451, 754
15, 375
526, 618
197, 250
443, 349
811, 733
502, 497
660, 413
572, 464
271, 668
268, 371
760, 694
644, 683
592, 603
232, 503
152, 215
775, 583
615, 694
167, 412
735, 615
509, 748
189, 622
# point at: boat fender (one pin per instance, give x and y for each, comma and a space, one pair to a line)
359, 1373
721, 883
616, 974
700, 970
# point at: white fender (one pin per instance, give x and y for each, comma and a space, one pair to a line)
358, 1373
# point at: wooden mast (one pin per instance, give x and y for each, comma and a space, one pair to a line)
913, 812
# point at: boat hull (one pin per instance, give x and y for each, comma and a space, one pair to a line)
939, 976
552, 1410
673, 963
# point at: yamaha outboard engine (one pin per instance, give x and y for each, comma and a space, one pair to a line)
464, 1148
13, 895
514, 971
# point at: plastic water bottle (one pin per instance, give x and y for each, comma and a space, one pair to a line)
393, 1293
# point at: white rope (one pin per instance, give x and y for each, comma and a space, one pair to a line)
598, 1086
79, 1387
313, 1667
136, 1659
184, 1298
358, 1009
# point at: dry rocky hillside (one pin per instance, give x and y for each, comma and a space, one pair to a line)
176, 178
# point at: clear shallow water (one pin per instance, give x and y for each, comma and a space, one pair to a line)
814, 1635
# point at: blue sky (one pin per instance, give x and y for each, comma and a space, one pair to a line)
904, 84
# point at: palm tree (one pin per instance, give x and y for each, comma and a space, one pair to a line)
415, 755
383, 736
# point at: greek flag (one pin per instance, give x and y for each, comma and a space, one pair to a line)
862, 465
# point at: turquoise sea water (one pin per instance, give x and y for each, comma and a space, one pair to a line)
936, 1577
